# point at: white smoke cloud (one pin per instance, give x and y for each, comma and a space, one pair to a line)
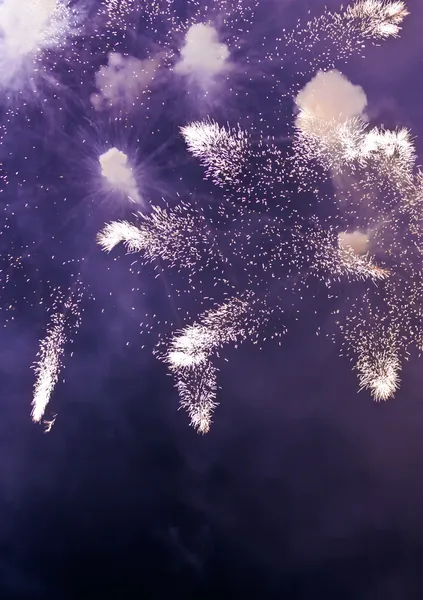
357, 240
115, 168
123, 81
27, 27
330, 96
203, 57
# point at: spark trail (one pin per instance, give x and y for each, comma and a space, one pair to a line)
48, 368
190, 350
176, 235
334, 37
66, 315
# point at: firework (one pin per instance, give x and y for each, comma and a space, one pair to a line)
197, 391
48, 367
343, 34
249, 169
390, 150
335, 134
343, 262
52, 346
334, 145
222, 151
190, 351
377, 18
27, 29
263, 248
379, 373
176, 235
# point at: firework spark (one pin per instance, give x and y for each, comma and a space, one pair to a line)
221, 150
52, 346
190, 351
344, 34
48, 368
176, 235
197, 391
379, 373
378, 18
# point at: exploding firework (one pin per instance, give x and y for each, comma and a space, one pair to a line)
264, 240
28, 29
377, 18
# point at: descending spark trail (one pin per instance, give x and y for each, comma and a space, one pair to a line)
197, 390
380, 374
190, 350
52, 346
48, 367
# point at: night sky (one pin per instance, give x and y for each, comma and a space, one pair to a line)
303, 489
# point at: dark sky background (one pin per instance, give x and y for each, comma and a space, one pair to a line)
302, 490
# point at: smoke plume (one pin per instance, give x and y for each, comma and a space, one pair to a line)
203, 57
123, 81
357, 240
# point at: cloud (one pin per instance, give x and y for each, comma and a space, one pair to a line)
123, 81
330, 96
357, 240
203, 56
